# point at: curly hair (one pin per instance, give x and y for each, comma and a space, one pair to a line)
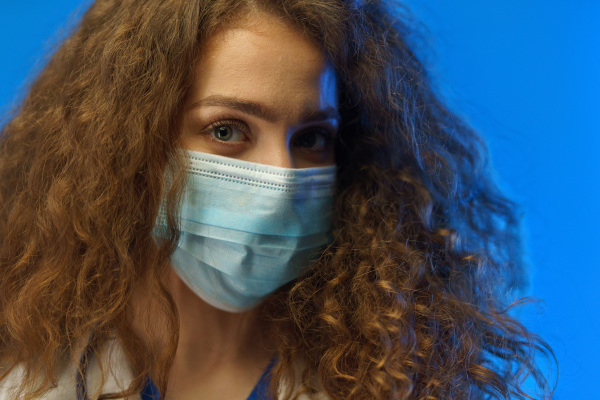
409, 301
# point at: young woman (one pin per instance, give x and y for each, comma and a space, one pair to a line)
228, 199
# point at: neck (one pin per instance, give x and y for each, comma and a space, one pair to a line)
221, 337
210, 339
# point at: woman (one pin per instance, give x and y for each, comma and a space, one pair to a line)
224, 199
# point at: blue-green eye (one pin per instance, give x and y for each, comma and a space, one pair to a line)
227, 131
224, 132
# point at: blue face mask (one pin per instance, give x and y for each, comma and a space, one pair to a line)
247, 228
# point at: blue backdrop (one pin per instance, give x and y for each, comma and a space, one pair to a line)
527, 75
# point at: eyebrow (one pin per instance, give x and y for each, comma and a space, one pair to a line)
259, 110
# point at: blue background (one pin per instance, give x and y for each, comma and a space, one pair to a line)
527, 75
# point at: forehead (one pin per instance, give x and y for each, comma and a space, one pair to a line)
266, 60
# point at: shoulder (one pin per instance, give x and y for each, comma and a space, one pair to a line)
65, 388
298, 369
113, 366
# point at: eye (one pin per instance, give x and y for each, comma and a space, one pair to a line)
228, 131
313, 140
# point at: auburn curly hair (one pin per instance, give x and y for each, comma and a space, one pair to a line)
409, 301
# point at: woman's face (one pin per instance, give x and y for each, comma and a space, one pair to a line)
264, 93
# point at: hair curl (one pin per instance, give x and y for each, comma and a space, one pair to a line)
408, 302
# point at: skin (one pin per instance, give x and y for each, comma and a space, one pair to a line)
271, 89
264, 93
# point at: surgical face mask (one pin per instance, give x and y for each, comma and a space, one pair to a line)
247, 228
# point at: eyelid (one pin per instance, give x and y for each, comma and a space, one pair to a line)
226, 121
326, 128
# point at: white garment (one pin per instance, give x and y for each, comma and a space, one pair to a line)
118, 379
